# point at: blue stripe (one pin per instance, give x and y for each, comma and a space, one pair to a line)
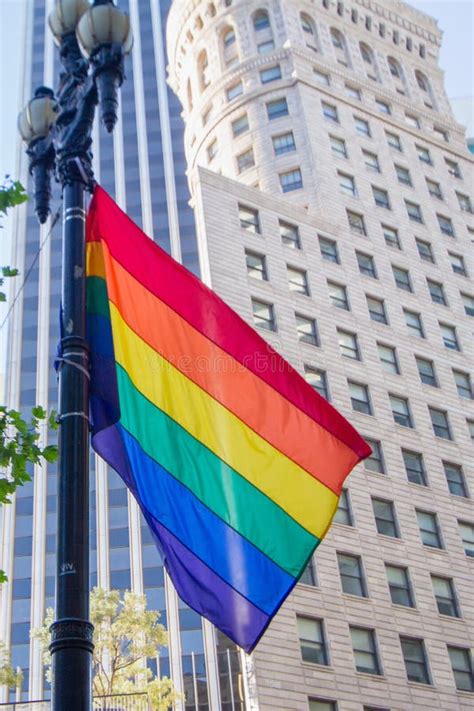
221, 548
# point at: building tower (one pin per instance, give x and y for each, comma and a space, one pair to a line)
331, 184
143, 167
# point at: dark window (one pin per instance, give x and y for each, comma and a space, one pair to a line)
312, 640
461, 663
424, 250
445, 596
290, 235
356, 223
377, 309
414, 467
309, 574
375, 461
285, 143
440, 422
401, 410
385, 520
256, 265
381, 197
366, 265
426, 371
391, 237
329, 250
318, 380
352, 577
388, 358
277, 109
414, 211
291, 180
360, 398
414, 323
365, 651
466, 531
414, 656
270, 74
445, 225
343, 513
402, 278
399, 585
429, 531
455, 478
338, 295
330, 112
249, 219
450, 338
436, 292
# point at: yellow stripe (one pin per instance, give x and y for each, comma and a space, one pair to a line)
95, 260
305, 499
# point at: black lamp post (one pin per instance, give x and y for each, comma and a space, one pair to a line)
93, 40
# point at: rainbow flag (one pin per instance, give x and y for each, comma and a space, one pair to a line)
236, 462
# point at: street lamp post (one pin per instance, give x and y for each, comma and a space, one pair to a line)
93, 40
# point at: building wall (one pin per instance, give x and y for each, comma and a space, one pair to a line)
319, 209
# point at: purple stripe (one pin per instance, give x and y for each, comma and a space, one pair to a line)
199, 587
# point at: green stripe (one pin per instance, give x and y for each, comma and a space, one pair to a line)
223, 490
96, 296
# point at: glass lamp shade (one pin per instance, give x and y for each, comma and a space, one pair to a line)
38, 115
65, 16
102, 25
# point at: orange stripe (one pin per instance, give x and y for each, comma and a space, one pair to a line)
284, 426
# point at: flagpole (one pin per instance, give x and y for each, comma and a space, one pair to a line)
58, 134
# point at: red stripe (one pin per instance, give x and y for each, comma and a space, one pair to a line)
202, 308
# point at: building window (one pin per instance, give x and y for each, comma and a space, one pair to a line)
291, 180
348, 344
321, 77
264, 47
403, 175
377, 309
463, 384
453, 168
436, 292
388, 358
464, 202
312, 640
402, 278
470, 427
429, 530
352, 578
318, 380
374, 462
385, 521
381, 198
347, 184
309, 574
394, 141
245, 160
391, 237
399, 585
264, 315
234, 91
434, 189
360, 398
343, 513
270, 74
228, 38
440, 422
290, 235
461, 663
240, 125
412, 121
366, 265
362, 127
297, 280
401, 410
285, 143
445, 225
211, 151
338, 296
256, 265
365, 651
306, 328
356, 223
338, 146
309, 31
426, 371
353, 92
371, 161
276, 109
369, 61
330, 112
329, 251
468, 302
414, 323
414, 467
424, 250
249, 219
261, 20
414, 656
383, 107
466, 531
445, 596
449, 335
424, 155
322, 705
339, 44
455, 478
457, 264
414, 211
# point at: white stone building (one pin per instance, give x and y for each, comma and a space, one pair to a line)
331, 186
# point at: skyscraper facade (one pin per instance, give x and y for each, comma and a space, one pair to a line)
142, 165
331, 187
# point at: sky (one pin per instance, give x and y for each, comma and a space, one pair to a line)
455, 18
